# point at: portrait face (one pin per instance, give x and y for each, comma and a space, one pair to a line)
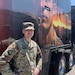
44, 9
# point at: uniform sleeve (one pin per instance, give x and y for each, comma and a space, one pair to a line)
10, 52
39, 58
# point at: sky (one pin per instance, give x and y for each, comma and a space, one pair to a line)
26, 5
73, 2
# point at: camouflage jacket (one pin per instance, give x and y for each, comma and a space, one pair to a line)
26, 56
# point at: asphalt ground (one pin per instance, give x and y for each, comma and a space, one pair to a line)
71, 72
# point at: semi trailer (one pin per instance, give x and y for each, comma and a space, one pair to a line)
53, 30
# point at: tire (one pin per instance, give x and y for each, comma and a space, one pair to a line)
69, 60
60, 65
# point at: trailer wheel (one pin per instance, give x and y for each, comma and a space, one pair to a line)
60, 66
69, 60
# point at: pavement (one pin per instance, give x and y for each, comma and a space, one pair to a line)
72, 72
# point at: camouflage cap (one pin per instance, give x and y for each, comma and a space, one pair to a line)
28, 25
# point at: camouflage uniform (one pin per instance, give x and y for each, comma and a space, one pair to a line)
26, 56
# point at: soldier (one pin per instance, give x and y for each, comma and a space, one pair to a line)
25, 53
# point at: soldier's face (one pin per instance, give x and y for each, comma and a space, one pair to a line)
44, 10
28, 33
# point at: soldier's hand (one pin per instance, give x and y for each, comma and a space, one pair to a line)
2, 61
36, 71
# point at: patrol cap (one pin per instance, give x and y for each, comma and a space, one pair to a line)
28, 25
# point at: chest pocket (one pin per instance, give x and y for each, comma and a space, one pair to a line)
32, 54
22, 53
22, 49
